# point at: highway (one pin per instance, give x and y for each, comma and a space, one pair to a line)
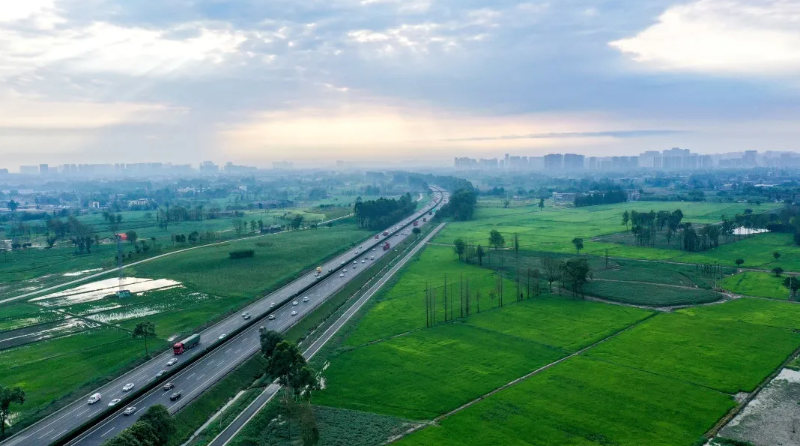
227, 354
253, 408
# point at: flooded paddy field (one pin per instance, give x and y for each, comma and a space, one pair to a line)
42, 331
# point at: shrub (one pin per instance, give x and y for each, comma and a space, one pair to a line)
244, 253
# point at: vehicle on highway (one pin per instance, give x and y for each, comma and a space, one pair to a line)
186, 344
114, 402
127, 387
168, 386
344, 270
363, 260
305, 299
294, 303
175, 396
160, 373
294, 313
272, 304
222, 336
94, 398
246, 315
172, 362
271, 317
341, 274
372, 257
130, 410
342, 263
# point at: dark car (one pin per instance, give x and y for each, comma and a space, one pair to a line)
175, 396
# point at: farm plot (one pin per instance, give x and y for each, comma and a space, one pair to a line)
277, 260
728, 356
649, 294
430, 371
759, 284
584, 402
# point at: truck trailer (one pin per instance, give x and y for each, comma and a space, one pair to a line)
386, 246
186, 344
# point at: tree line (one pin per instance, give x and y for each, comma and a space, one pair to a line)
383, 212
154, 428
602, 197
463, 199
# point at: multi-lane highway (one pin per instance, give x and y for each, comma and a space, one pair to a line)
227, 353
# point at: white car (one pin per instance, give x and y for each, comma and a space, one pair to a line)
341, 274
305, 299
128, 387
272, 317
294, 313
222, 336
94, 398
363, 261
355, 262
172, 362
372, 258
114, 402
246, 315
130, 411
294, 303
160, 373
272, 305
342, 263
373, 249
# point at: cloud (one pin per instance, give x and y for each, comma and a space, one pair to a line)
603, 134
760, 37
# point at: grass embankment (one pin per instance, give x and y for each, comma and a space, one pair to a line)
758, 284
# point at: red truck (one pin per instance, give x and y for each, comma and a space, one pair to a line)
416, 223
386, 246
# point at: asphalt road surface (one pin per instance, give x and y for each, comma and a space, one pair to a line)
232, 351
253, 408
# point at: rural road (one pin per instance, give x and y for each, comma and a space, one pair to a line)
266, 396
229, 353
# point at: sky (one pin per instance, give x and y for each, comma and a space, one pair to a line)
256, 81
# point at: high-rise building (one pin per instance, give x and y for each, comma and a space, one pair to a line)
553, 161
209, 167
29, 170
750, 158
573, 161
44, 169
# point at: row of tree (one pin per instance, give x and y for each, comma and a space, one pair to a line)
601, 197
383, 212
154, 428
463, 199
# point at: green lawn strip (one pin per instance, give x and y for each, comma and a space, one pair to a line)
753, 283
401, 307
278, 259
337, 427
794, 364
77, 363
566, 323
728, 356
191, 417
429, 372
649, 294
584, 402
657, 273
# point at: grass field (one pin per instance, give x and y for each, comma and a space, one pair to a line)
752, 283
584, 402
76, 360
278, 258
698, 348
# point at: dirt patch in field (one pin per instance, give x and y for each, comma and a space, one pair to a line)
773, 417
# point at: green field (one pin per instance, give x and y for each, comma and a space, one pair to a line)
278, 259
649, 294
76, 360
701, 349
753, 283
584, 402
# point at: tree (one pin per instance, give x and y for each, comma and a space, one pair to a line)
297, 221
578, 242
8, 396
739, 262
626, 218
459, 247
416, 231
496, 239
480, 253
778, 271
269, 340
776, 255
144, 433
515, 242
541, 204
552, 270
576, 273
289, 367
793, 283
162, 422
238, 227
131, 236
13, 205
144, 330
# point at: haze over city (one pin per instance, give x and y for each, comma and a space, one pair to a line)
383, 80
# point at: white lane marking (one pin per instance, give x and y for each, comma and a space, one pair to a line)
107, 432
46, 433
190, 376
58, 435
